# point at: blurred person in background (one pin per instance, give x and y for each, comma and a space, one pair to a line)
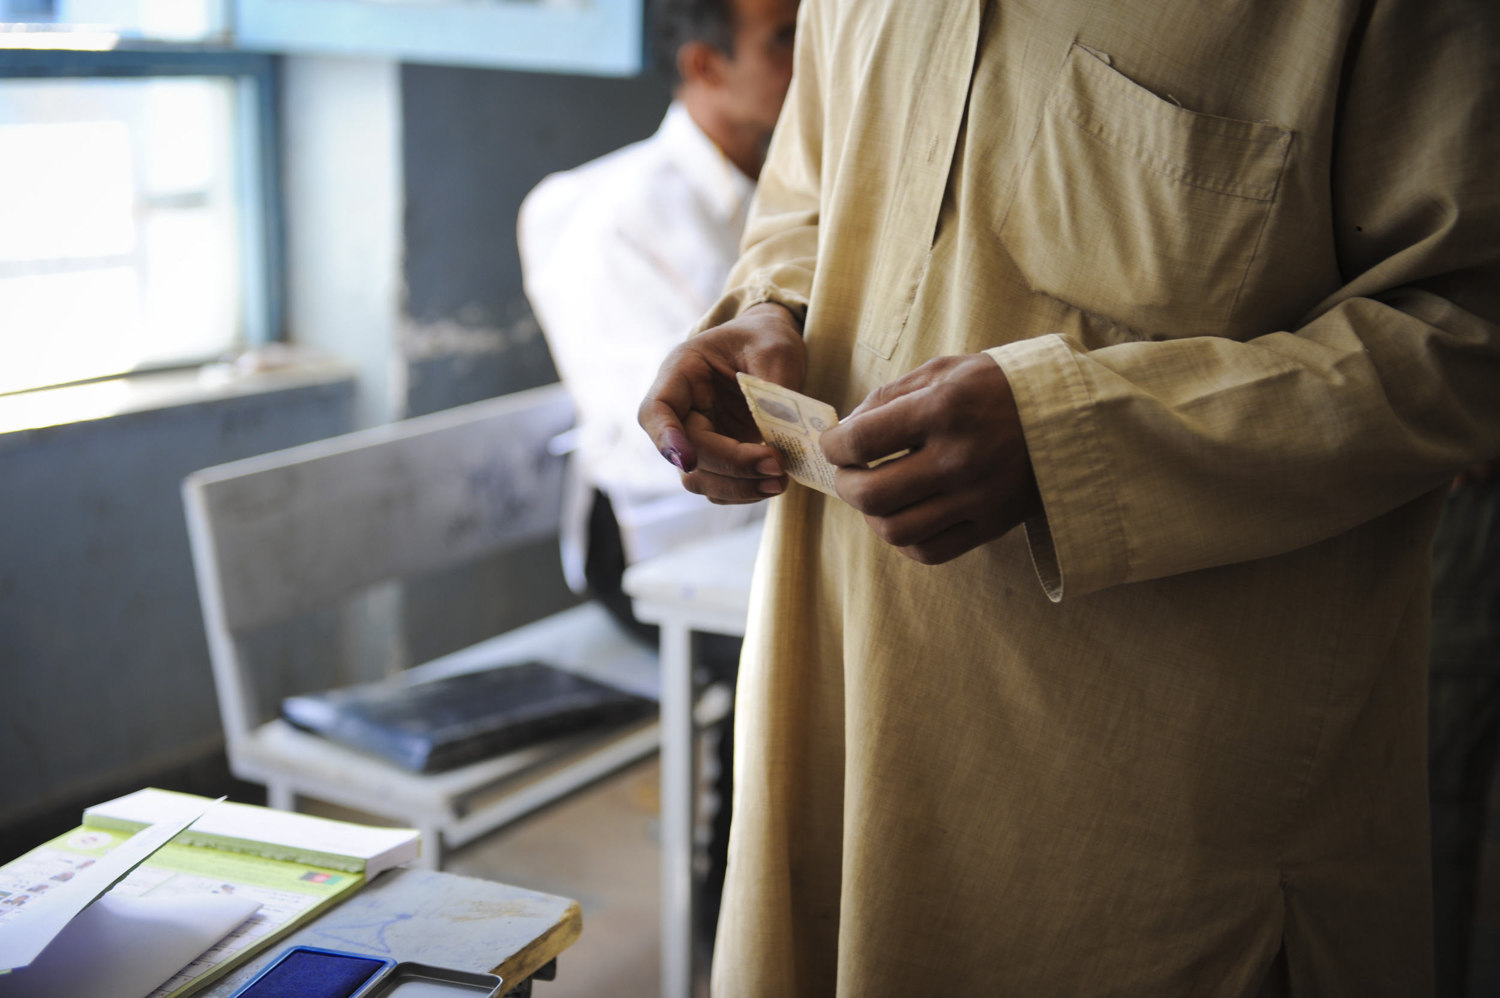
620, 256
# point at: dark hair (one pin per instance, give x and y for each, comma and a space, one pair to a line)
674, 23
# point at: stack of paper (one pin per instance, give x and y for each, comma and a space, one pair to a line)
180, 915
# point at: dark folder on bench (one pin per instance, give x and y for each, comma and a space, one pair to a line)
442, 723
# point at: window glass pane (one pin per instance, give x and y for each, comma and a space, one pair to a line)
68, 191
188, 293
163, 20
68, 326
118, 239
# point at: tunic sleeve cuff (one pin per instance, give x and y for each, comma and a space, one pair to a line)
737, 300
1078, 542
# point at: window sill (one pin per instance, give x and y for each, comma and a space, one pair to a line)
138, 393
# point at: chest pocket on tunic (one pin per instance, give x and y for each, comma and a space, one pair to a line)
1133, 208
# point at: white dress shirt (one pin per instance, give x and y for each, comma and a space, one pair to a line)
620, 257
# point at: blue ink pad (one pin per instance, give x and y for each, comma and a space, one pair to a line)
310, 972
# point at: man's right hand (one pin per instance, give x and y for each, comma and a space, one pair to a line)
697, 416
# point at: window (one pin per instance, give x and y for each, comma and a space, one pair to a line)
89, 21
137, 195
600, 37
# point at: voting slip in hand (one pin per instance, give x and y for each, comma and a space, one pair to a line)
792, 423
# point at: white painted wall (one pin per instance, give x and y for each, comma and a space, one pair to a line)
341, 157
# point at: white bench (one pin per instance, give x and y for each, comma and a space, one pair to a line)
278, 535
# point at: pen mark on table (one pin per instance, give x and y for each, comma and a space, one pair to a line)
345, 933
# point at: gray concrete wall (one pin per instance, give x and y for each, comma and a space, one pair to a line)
103, 661
474, 143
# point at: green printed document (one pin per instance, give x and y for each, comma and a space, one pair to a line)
271, 871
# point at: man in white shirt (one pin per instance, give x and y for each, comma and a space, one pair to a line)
623, 254
620, 257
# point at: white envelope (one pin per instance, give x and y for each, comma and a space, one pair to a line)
127, 947
29, 930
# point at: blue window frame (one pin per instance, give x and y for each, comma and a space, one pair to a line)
598, 37
48, 98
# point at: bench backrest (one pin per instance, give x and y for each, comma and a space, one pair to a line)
281, 534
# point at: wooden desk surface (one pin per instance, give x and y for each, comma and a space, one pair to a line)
439, 919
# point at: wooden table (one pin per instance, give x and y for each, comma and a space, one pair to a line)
439, 919
702, 588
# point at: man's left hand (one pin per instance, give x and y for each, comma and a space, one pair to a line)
968, 478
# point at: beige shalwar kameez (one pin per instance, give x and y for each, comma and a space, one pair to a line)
1239, 263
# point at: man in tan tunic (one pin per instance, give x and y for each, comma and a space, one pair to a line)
1205, 296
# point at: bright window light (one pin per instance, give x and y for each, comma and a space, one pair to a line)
119, 226
158, 20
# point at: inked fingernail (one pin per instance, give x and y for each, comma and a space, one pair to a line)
769, 466
672, 454
772, 486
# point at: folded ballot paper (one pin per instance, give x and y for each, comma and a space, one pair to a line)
794, 424
158, 894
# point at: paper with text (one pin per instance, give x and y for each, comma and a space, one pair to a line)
33, 914
302, 866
